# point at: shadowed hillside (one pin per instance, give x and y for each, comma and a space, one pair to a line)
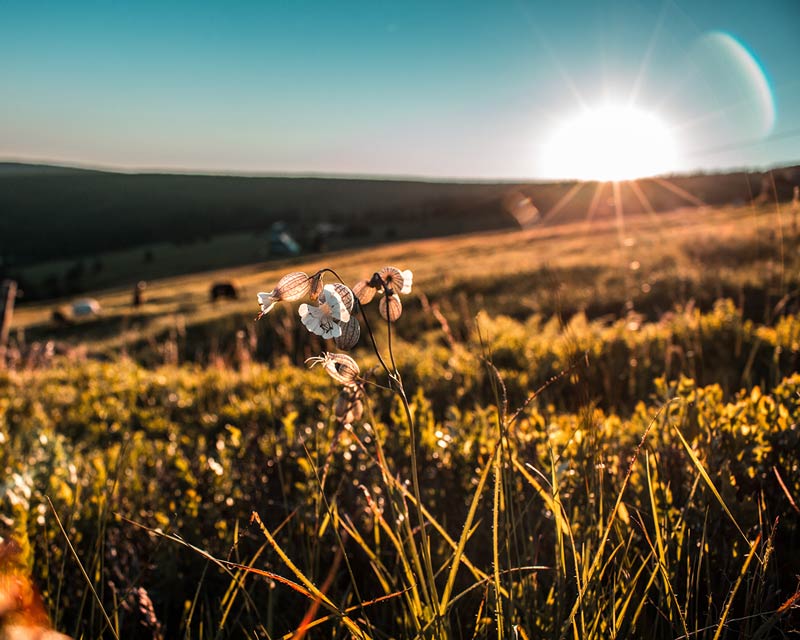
55, 235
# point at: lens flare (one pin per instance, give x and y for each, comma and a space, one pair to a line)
737, 82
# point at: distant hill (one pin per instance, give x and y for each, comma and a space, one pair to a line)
50, 213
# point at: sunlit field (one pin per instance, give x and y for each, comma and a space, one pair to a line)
581, 430
399, 320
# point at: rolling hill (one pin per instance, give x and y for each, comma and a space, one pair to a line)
65, 230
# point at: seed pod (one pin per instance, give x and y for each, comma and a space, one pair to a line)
339, 366
351, 332
390, 307
292, 286
364, 291
316, 286
392, 278
345, 294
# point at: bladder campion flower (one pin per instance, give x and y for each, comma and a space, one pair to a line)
398, 281
290, 287
351, 332
390, 307
316, 286
327, 317
339, 366
390, 281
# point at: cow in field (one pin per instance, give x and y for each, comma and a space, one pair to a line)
226, 290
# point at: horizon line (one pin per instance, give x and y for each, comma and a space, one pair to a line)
376, 177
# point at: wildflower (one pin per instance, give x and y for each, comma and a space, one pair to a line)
365, 291
292, 286
390, 307
339, 366
391, 282
395, 279
325, 318
316, 286
351, 332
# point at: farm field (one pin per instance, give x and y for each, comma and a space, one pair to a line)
584, 430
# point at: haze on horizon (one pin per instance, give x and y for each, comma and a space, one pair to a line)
507, 90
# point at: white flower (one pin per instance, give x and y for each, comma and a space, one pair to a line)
397, 281
292, 286
392, 277
408, 277
339, 366
267, 301
324, 319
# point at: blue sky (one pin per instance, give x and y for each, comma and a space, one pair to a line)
432, 89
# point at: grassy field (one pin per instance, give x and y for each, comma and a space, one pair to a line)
585, 430
167, 225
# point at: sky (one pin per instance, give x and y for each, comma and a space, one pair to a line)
433, 89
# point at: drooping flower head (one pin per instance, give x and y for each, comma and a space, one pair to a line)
390, 282
326, 318
290, 287
339, 366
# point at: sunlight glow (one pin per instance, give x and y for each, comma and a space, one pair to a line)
610, 143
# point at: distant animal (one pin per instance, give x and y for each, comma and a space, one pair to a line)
138, 293
85, 308
61, 316
226, 290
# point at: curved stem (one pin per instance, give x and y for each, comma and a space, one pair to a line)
372, 338
387, 293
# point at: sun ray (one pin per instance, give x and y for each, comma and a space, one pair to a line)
543, 42
598, 192
563, 201
680, 192
648, 53
619, 214
641, 196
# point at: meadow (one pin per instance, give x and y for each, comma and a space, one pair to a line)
582, 430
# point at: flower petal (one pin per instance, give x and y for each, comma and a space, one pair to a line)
408, 278
333, 300
330, 329
311, 317
266, 301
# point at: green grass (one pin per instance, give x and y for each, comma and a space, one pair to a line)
558, 452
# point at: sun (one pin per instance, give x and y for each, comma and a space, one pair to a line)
610, 143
